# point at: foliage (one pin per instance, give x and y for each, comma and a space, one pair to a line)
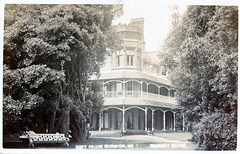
201, 58
70, 42
216, 131
23, 90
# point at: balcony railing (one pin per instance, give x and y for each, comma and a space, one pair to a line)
139, 94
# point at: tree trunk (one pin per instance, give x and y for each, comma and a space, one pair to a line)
64, 126
52, 122
75, 126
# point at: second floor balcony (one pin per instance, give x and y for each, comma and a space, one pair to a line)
138, 89
140, 94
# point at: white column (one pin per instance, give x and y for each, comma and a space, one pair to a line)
123, 121
145, 118
164, 120
174, 121
152, 120
100, 121
183, 122
141, 89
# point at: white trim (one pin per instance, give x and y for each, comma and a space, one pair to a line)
111, 107
136, 107
113, 81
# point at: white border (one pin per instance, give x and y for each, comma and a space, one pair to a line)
162, 2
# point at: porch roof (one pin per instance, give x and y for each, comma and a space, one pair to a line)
132, 74
137, 102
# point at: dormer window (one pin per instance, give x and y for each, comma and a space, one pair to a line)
164, 72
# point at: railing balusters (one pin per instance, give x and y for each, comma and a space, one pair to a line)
136, 94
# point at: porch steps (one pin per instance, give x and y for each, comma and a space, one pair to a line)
136, 132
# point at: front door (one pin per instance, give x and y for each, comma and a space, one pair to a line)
129, 120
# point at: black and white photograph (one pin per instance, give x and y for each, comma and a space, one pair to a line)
120, 76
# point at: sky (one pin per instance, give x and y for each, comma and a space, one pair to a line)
157, 21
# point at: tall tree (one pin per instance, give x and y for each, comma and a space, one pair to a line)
71, 40
200, 54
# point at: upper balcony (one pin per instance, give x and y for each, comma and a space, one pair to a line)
129, 92
140, 94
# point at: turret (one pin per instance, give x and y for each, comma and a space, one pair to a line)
133, 39
134, 30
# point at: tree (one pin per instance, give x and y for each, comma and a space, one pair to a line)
201, 58
68, 40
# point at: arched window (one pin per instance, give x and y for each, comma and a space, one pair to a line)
163, 91
144, 86
152, 89
133, 89
129, 88
172, 93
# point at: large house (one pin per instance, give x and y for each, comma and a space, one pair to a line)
137, 93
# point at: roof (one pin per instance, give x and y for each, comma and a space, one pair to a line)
138, 102
132, 74
151, 57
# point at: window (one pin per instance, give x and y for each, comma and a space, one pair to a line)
129, 88
164, 72
129, 60
119, 89
172, 93
118, 60
163, 91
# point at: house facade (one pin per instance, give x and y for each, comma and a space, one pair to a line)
138, 95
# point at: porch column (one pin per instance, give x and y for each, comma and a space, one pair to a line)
174, 121
164, 120
145, 118
123, 121
141, 89
152, 120
100, 121
183, 122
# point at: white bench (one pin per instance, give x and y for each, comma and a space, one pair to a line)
45, 138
